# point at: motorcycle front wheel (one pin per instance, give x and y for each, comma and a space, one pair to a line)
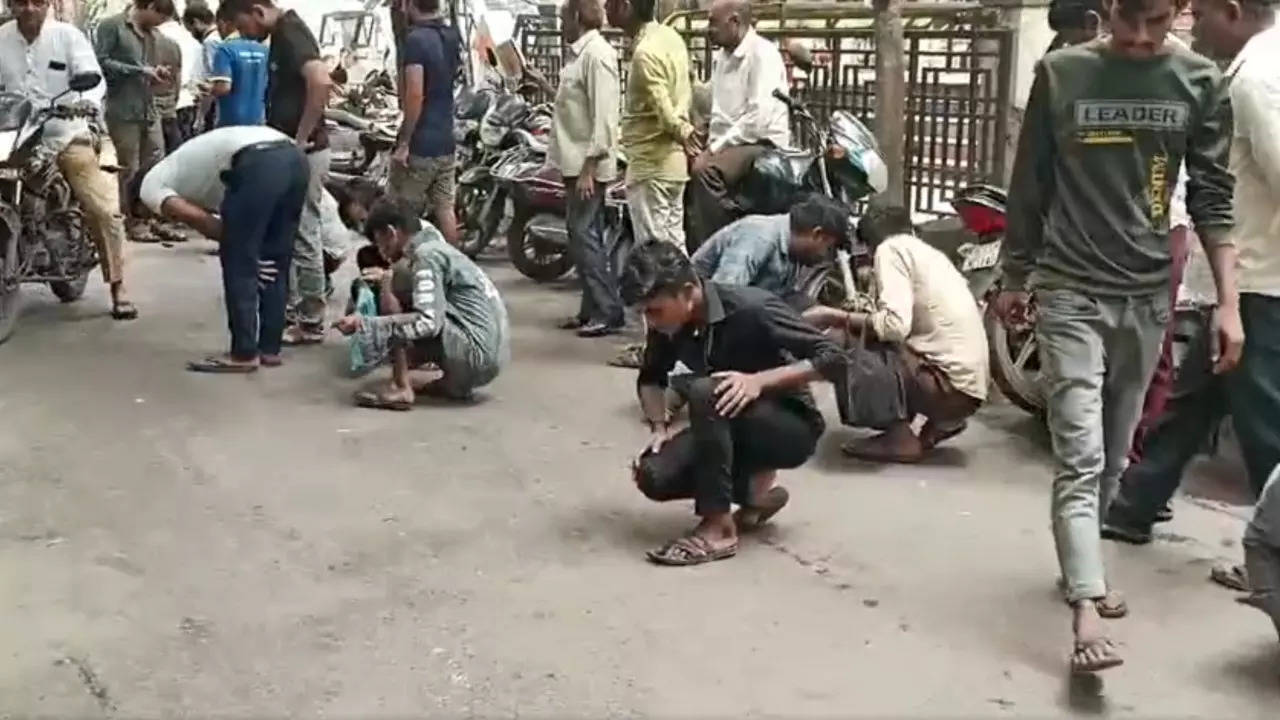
473, 222
532, 261
1015, 363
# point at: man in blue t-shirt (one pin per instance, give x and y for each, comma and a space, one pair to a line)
423, 167
238, 76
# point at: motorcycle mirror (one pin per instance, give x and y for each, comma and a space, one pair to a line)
800, 54
84, 82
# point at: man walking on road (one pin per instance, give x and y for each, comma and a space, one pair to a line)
1244, 30
298, 90
255, 179
1107, 126
423, 165
657, 137
38, 58
745, 116
126, 49
584, 141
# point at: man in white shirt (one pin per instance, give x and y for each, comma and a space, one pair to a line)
192, 62
256, 179
745, 116
932, 348
38, 56
202, 24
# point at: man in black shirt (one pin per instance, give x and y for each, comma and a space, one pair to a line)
297, 92
742, 359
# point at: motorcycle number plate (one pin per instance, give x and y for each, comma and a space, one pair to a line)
981, 257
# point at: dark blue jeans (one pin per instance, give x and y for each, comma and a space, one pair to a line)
265, 191
1198, 402
601, 300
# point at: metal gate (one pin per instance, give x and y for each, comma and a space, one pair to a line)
958, 86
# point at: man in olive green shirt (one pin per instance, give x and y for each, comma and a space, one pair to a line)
657, 137
125, 45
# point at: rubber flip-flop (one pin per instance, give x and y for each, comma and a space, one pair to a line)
869, 451
377, 401
1108, 660
1232, 577
749, 519
220, 366
124, 311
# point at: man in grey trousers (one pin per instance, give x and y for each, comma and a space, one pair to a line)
1107, 126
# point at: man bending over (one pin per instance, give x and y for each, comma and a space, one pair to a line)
436, 306
742, 360
932, 333
768, 251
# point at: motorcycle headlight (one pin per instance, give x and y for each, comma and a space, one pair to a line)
491, 135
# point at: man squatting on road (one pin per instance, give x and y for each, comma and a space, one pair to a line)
1107, 126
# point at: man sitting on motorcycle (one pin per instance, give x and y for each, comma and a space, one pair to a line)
745, 116
931, 340
38, 57
437, 307
768, 251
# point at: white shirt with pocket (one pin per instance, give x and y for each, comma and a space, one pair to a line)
42, 70
1255, 161
743, 108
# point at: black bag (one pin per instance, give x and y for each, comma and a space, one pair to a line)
871, 393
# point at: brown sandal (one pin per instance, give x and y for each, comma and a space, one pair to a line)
751, 518
690, 550
1104, 657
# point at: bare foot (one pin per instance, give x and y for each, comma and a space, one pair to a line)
898, 444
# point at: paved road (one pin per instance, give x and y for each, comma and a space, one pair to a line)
172, 543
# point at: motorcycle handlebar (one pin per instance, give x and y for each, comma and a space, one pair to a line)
785, 99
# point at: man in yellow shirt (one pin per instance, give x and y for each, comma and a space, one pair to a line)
657, 137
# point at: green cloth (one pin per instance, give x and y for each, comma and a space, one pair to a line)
655, 121
123, 51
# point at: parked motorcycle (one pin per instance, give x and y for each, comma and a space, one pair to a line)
509, 121
44, 238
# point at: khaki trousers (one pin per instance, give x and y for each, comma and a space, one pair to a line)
98, 194
657, 211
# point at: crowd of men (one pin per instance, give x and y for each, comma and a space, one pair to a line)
1132, 146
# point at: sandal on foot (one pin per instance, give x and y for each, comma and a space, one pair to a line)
873, 450
753, 518
124, 311
631, 356
296, 335
271, 361
690, 550
1112, 606
1095, 655
378, 401
1232, 577
221, 365
931, 435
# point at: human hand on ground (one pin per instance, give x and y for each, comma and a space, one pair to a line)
735, 391
1228, 335
348, 325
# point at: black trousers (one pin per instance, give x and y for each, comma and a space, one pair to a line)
1198, 403
713, 460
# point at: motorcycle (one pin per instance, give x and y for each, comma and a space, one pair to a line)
44, 238
508, 122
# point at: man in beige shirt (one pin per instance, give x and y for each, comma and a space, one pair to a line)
745, 116
584, 148
930, 336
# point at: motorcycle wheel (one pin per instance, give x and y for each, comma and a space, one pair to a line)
824, 286
70, 290
478, 227
1015, 364
10, 306
528, 259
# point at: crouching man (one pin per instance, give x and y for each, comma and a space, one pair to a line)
435, 306
742, 361
931, 355
256, 180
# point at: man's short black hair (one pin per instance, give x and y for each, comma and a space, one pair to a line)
882, 221
388, 214
198, 12
1071, 14
644, 9
226, 12
356, 192
164, 7
237, 7
817, 211
655, 268
426, 6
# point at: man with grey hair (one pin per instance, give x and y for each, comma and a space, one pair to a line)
745, 116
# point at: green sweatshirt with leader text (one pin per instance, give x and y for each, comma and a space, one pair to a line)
1102, 141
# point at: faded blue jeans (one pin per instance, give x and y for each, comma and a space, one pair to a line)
1097, 356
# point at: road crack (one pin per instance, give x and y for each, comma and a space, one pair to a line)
89, 678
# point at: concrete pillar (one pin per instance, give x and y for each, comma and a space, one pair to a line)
1030, 22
